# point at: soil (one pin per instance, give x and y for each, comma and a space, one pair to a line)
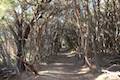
59, 67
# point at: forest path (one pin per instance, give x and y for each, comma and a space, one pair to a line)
61, 68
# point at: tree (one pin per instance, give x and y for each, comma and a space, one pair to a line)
87, 26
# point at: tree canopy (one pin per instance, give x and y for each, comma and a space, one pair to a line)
35, 31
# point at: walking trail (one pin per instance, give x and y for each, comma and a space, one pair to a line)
61, 67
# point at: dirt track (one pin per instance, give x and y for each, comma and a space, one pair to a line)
62, 68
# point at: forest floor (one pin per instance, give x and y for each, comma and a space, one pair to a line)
60, 67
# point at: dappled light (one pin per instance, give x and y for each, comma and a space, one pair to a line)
109, 76
59, 39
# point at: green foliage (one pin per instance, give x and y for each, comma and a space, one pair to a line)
5, 5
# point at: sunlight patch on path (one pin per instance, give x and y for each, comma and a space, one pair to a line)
46, 72
57, 64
